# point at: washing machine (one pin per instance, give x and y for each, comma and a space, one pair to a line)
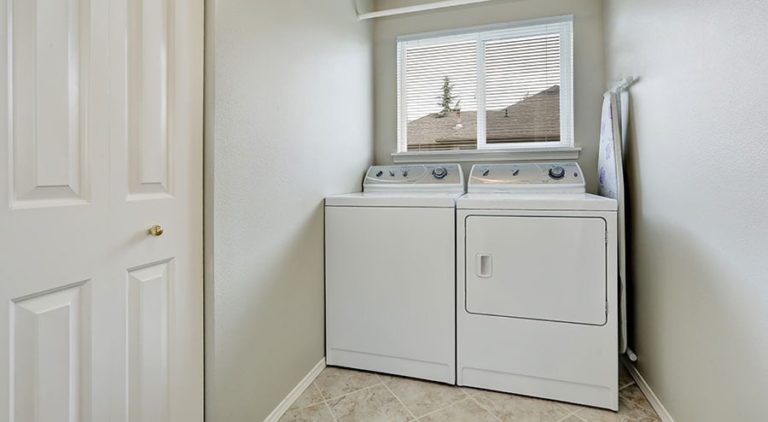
536, 285
390, 279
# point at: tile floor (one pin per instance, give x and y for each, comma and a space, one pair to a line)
340, 395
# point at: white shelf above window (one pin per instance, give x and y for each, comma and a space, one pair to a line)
364, 15
512, 154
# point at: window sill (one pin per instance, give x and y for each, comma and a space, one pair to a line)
517, 154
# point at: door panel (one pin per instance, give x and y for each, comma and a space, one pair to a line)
150, 52
48, 45
548, 268
148, 313
50, 355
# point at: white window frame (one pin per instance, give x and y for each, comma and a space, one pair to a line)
483, 34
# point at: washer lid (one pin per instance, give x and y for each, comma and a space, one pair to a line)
544, 202
394, 199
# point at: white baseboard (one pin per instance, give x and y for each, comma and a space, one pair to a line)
296, 392
646, 389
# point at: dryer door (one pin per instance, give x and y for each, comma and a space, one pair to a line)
534, 267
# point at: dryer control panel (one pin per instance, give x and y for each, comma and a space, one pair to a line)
414, 177
562, 178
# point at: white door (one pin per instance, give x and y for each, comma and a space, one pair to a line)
101, 122
544, 268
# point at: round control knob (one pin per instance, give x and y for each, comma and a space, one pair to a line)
439, 172
557, 172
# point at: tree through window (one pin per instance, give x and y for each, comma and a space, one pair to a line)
494, 87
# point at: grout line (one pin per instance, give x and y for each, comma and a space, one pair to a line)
573, 413
493, 415
310, 404
442, 408
325, 402
328, 406
631, 383
320, 393
398, 399
353, 392
466, 396
333, 415
381, 380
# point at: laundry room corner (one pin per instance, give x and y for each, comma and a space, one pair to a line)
696, 162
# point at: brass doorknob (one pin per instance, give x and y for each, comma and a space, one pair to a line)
156, 230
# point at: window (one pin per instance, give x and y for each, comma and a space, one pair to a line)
498, 87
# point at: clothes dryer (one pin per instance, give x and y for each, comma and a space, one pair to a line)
537, 286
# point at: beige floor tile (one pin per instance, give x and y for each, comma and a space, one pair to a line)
633, 397
599, 415
335, 382
422, 397
509, 407
386, 377
463, 411
570, 407
375, 404
309, 397
362, 396
316, 413
624, 378
572, 418
633, 407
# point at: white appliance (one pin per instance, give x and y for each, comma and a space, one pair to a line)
536, 285
390, 275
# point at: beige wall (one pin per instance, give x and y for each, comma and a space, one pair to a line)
589, 79
289, 120
698, 159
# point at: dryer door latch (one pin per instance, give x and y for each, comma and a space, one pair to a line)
484, 265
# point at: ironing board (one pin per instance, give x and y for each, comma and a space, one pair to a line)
613, 130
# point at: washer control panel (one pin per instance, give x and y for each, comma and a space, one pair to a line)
420, 177
564, 177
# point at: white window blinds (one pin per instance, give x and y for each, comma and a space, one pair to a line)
495, 87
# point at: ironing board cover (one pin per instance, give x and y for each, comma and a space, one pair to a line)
611, 185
